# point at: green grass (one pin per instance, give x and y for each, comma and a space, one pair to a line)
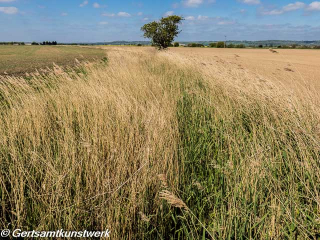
242, 173
17, 60
245, 170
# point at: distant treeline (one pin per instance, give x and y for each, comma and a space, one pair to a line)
294, 46
12, 43
45, 43
211, 45
232, 45
33, 43
219, 44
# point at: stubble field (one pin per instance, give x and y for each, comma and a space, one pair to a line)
19, 60
180, 144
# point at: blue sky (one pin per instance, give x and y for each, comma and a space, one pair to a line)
110, 20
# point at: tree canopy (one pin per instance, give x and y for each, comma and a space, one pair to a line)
162, 33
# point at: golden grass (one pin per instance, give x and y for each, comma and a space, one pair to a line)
85, 149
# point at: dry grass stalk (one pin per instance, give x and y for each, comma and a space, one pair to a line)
163, 180
172, 199
144, 217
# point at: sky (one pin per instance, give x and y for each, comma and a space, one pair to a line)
115, 20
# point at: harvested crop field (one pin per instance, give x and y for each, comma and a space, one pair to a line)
289, 66
19, 60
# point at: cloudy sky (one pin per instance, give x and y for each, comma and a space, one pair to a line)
111, 20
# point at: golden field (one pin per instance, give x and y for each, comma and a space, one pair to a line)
297, 66
179, 144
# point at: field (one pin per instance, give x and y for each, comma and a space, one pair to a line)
287, 66
178, 144
18, 60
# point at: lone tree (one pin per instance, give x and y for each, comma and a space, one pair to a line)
163, 32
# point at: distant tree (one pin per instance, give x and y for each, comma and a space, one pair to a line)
176, 44
139, 44
240, 46
220, 44
213, 45
49, 43
195, 45
34, 43
231, 45
162, 33
260, 46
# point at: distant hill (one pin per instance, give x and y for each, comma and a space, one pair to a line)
270, 43
267, 43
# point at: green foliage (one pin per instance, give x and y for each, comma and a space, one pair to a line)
215, 171
12, 43
213, 45
176, 44
105, 59
220, 44
195, 45
49, 43
241, 46
163, 32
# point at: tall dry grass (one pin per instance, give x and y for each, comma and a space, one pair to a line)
155, 145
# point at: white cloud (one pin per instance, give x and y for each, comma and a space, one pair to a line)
9, 10
103, 23
190, 18
169, 13
250, 2
226, 22
84, 3
288, 8
146, 19
272, 12
175, 5
64, 14
96, 5
140, 13
193, 3
294, 6
200, 17
108, 14
314, 6
124, 14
